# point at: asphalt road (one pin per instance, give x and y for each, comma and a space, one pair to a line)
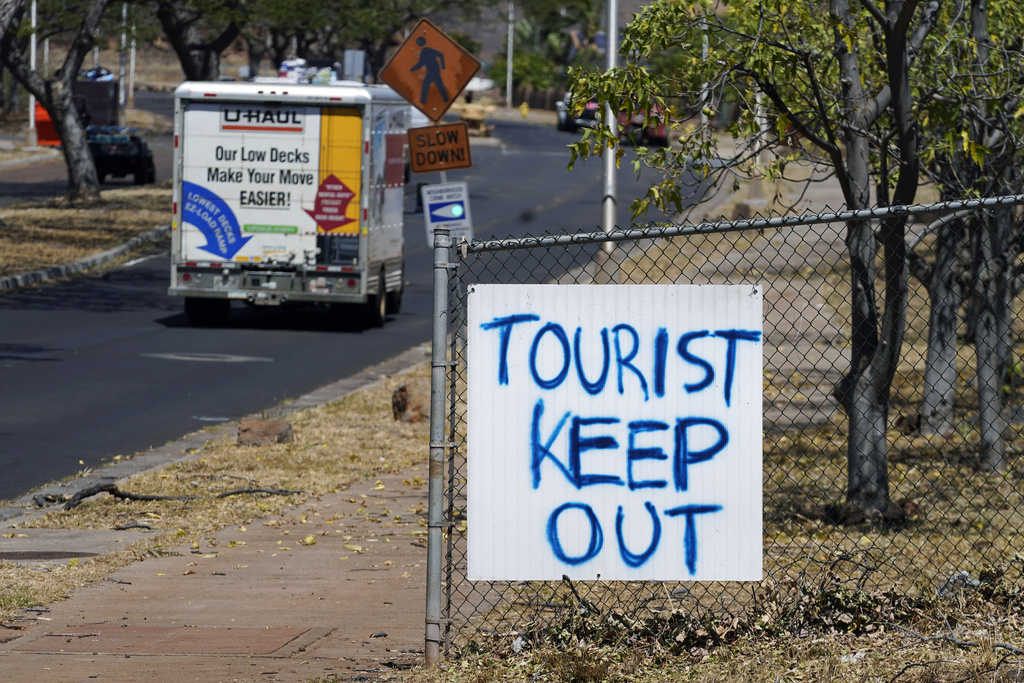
106, 364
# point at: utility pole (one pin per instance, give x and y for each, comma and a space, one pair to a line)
32, 138
609, 202
131, 73
509, 49
122, 66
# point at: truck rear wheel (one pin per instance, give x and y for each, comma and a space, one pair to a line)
394, 299
207, 312
377, 306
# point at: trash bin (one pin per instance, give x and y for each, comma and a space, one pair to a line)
100, 101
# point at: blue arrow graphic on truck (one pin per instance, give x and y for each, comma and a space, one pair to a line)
214, 218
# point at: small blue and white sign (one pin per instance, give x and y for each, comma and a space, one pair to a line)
447, 205
443, 212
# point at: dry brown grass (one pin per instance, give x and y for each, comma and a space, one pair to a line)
42, 234
333, 446
963, 639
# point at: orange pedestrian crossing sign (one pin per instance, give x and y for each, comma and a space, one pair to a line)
430, 70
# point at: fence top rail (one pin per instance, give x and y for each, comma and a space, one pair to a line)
654, 231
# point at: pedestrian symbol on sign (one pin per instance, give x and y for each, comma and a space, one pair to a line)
432, 61
429, 69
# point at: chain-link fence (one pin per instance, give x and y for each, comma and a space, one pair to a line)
951, 440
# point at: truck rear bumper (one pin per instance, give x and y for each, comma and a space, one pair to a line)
260, 297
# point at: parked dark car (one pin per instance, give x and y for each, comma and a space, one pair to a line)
572, 121
655, 134
119, 152
630, 129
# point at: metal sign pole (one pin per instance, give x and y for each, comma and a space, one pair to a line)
438, 383
609, 202
509, 49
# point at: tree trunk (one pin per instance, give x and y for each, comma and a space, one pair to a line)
991, 287
280, 44
83, 183
199, 57
257, 47
867, 386
945, 294
867, 468
12, 101
55, 94
875, 349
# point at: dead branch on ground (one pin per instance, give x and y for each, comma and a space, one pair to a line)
273, 492
113, 490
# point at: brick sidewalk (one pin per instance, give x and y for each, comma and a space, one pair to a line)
253, 605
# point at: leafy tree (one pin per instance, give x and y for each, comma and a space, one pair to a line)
838, 75
972, 110
79, 21
548, 38
277, 30
529, 69
199, 31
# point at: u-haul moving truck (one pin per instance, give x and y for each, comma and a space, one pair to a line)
287, 193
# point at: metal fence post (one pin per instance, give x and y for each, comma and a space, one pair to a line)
438, 380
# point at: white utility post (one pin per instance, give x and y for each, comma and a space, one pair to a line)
131, 74
32, 138
609, 202
508, 54
122, 66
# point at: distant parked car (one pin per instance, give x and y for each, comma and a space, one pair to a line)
573, 121
630, 128
119, 152
633, 129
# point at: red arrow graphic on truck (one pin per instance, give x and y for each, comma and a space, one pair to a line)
332, 200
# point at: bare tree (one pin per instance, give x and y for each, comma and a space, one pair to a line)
200, 31
54, 93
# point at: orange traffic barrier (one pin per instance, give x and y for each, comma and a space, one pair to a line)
46, 133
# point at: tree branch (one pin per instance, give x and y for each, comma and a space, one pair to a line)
273, 492
875, 12
113, 490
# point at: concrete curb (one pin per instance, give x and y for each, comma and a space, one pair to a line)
191, 446
84, 264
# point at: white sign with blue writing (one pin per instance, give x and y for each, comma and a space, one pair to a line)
447, 205
614, 432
